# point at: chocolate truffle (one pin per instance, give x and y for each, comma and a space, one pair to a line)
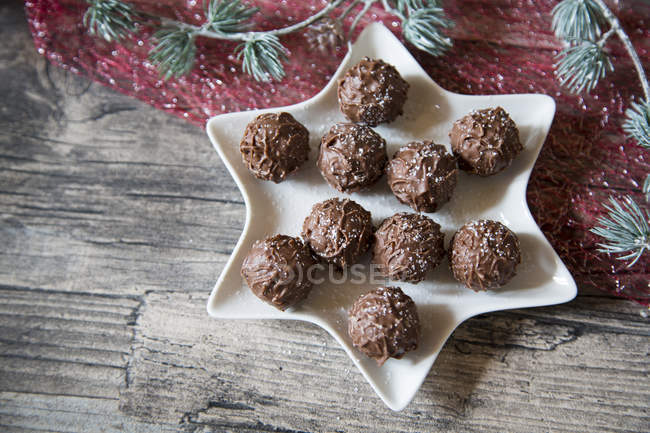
384, 324
422, 175
484, 255
338, 231
351, 157
407, 246
486, 141
276, 270
372, 92
274, 146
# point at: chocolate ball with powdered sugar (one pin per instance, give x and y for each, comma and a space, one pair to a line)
274, 146
339, 231
372, 92
423, 175
351, 157
484, 255
384, 324
407, 246
485, 141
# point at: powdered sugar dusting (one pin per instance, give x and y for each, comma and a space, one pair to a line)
442, 302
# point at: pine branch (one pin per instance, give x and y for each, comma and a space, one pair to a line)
422, 29
255, 45
244, 36
578, 20
112, 20
581, 66
422, 22
262, 57
625, 230
616, 27
366, 7
637, 123
261, 52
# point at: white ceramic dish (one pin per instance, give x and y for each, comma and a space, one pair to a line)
443, 304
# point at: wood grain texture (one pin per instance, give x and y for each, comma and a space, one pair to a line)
115, 221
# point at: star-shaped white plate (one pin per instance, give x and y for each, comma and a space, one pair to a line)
443, 304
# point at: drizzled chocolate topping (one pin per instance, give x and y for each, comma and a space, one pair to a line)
486, 141
422, 175
384, 324
276, 270
407, 246
338, 231
351, 157
484, 255
372, 92
274, 146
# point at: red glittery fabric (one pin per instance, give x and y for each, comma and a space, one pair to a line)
500, 46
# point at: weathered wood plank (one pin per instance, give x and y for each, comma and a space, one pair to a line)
183, 369
115, 221
97, 184
64, 343
31, 412
504, 369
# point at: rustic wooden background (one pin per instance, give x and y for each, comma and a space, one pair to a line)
115, 221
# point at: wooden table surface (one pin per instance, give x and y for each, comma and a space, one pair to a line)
115, 222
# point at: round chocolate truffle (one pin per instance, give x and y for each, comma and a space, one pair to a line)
274, 146
422, 175
338, 231
486, 141
407, 246
384, 324
372, 92
352, 157
276, 270
484, 255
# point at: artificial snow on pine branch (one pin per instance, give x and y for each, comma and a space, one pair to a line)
581, 65
578, 20
422, 24
262, 53
262, 57
174, 53
227, 16
637, 123
625, 230
111, 20
585, 60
